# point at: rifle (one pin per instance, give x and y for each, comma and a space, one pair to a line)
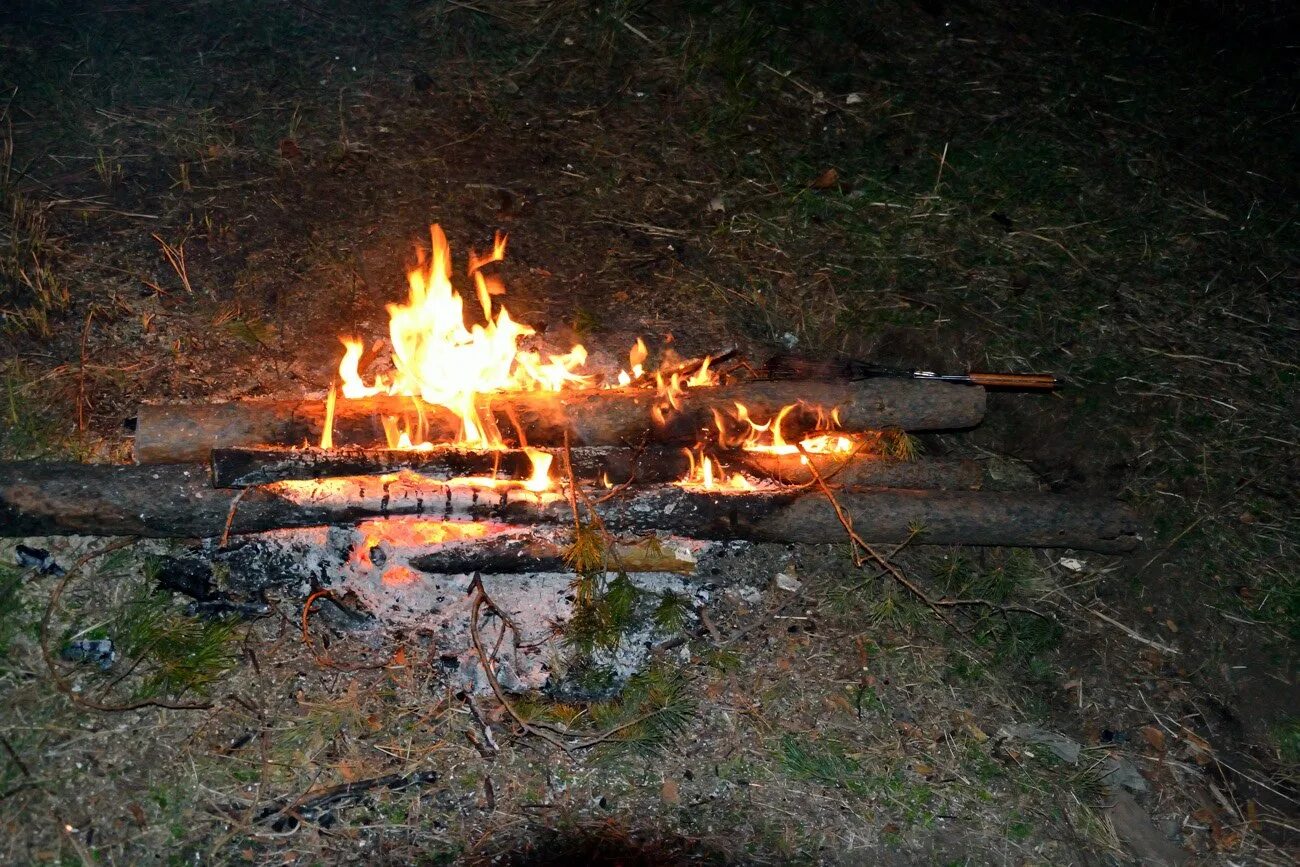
793, 367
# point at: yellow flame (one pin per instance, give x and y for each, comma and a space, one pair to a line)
540, 479
440, 360
327, 430
635, 362
708, 474
701, 376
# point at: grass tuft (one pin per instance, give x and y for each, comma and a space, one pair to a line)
172, 654
30, 290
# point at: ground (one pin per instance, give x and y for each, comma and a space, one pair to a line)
197, 197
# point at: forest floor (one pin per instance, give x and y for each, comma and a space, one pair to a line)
197, 197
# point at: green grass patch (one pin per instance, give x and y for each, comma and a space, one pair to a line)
172, 654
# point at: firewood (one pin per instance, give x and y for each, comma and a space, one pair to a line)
259, 465
512, 554
178, 433
176, 501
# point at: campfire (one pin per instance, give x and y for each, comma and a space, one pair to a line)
460, 446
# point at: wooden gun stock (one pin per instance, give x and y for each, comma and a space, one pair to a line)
1018, 381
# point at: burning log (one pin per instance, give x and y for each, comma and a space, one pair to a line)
176, 501
177, 433
260, 465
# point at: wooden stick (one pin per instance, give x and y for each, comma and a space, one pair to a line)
175, 501
179, 433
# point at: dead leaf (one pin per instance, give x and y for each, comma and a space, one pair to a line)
826, 180
1225, 840
907, 730
1154, 736
348, 771
289, 149
1198, 746
137, 813
669, 792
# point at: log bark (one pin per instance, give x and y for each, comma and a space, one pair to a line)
178, 433
259, 465
176, 501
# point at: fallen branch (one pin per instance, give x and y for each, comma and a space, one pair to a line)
319, 807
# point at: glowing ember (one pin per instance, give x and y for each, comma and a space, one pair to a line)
421, 532
410, 533
441, 361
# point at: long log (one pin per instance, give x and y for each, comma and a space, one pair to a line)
178, 433
247, 467
176, 501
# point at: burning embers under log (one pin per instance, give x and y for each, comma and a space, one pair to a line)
459, 446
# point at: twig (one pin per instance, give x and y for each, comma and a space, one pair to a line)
858, 541
315, 807
230, 517
943, 161
60, 682
4, 742
326, 659
1164, 648
816, 95
175, 256
554, 735
81, 373
488, 749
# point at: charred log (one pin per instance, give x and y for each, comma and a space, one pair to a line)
259, 465
176, 501
177, 433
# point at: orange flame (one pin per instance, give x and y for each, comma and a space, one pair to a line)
708, 474
769, 438
441, 361
327, 430
635, 362
540, 479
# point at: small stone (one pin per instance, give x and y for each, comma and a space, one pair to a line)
788, 583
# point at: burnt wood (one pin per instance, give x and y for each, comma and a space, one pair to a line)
246, 467
177, 501
179, 433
